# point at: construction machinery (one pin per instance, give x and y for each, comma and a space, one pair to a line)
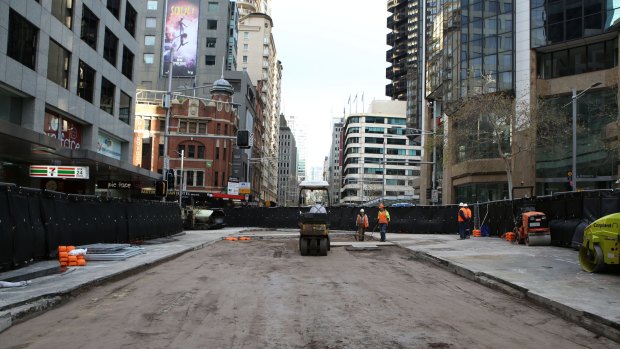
531, 228
601, 243
313, 221
202, 218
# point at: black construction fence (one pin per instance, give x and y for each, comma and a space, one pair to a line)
34, 222
568, 215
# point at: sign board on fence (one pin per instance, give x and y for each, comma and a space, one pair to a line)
244, 188
233, 188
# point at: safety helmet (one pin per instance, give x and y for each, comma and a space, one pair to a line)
461, 204
362, 210
465, 205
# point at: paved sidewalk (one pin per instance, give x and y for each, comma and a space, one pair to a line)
548, 276
45, 292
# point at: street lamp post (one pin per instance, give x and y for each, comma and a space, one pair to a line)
182, 175
574, 104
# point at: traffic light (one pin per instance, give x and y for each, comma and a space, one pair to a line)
243, 139
161, 188
170, 178
429, 193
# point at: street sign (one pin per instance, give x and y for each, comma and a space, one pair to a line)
244, 188
77, 172
209, 163
435, 196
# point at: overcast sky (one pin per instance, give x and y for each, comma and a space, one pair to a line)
329, 50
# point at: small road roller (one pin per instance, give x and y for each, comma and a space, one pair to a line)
313, 220
601, 243
532, 228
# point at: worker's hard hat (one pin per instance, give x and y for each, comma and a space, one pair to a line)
461, 204
465, 205
362, 210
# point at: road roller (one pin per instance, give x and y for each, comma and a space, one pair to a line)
601, 241
532, 228
313, 219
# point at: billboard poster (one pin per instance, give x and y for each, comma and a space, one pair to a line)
68, 132
181, 37
108, 146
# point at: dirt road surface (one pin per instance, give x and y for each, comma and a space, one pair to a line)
263, 294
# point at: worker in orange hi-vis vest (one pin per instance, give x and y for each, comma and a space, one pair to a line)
384, 219
362, 224
467, 220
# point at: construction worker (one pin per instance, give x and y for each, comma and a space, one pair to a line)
318, 208
384, 219
462, 219
467, 220
362, 224
463, 216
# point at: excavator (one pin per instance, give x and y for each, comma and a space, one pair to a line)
313, 221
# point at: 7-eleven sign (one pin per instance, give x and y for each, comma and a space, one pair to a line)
78, 172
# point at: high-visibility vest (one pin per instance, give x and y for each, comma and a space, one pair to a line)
384, 217
462, 209
468, 212
359, 220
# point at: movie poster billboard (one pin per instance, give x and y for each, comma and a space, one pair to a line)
181, 37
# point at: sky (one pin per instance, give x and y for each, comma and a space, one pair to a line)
330, 50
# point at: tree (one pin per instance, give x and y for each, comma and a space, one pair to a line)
484, 126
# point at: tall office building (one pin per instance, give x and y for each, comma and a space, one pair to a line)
405, 26
300, 137
257, 51
537, 52
254, 6
379, 162
67, 86
287, 166
333, 166
201, 37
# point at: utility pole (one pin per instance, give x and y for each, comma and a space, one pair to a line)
168, 106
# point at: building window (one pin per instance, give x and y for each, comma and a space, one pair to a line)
110, 47
151, 5
215, 177
211, 24
22, 41
209, 60
217, 153
246, 35
202, 128
213, 7
114, 6
577, 60
245, 47
124, 111
200, 178
127, 63
191, 151
63, 11
90, 27
211, 42
181, 149
58, 64
107, 96
245, 59
151, 22
86, 81
149, 40
149, 58
130, 19
201, 152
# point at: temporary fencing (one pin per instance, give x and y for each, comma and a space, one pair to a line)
33, 223
568, 215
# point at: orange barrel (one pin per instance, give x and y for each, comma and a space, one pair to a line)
510, 236
62, 249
